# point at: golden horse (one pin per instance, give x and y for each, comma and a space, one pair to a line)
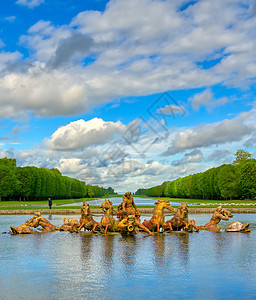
107, 221
157, 221
86, 220
180, 220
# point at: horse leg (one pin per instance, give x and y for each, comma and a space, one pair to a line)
80, 227
158, 227
94, 227
170, 226
106, 228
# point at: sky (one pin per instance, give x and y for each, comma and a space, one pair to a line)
127, 94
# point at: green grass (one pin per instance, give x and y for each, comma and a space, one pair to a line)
14, 205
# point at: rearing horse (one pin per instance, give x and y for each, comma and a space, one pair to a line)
107, 222
86, 221
180, 220
157, 221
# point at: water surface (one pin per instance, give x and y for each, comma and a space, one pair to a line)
61, 265
117, 200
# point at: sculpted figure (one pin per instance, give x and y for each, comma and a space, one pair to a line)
218, 215
38, 220
68, 224
157, 221
107, 221
86, 220
131, 225
238, 227
127, 207
22, 229
180, 221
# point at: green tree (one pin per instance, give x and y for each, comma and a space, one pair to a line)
9, 162
241, 156
228, 181
248, 178
8, 182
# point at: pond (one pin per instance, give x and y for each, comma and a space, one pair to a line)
61, 265
117, 200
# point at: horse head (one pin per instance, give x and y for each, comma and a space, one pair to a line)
164, 204
86, 209
106, 205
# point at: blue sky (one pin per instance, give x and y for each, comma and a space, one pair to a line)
127, 94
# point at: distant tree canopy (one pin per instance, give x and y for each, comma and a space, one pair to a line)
241, 156
228, 181
31, 183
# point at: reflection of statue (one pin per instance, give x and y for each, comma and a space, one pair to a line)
238, 227
127, 207
38, 220
86, 221
180, 221
107, 221
157, 221
131, 225
218, 215
22, 229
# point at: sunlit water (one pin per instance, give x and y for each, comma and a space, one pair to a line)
61, 265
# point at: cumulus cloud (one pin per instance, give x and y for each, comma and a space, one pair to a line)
171, 109
7, 58
71, 165
210, 134
195, 156
207, 99
77, 43
30, 3
138, 54
80, 134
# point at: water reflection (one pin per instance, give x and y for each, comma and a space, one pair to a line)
128, 253
60, 265
108, 250
182, 252
86, 245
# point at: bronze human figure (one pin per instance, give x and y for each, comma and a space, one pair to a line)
38, 220
218, 215
131, 225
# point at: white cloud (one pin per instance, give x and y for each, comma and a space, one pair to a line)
152, 46
7, 58
207, 99
71, 165
171, 109
30, 3
211, 134
80, 134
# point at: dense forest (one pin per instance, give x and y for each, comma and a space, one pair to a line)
31, 183
228, 181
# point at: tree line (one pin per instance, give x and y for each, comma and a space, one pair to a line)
32, 183
228, 181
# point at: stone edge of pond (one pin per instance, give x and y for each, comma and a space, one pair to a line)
195, 210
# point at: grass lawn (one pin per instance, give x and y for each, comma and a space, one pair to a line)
12, 205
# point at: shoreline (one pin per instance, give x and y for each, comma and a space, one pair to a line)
98, 211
